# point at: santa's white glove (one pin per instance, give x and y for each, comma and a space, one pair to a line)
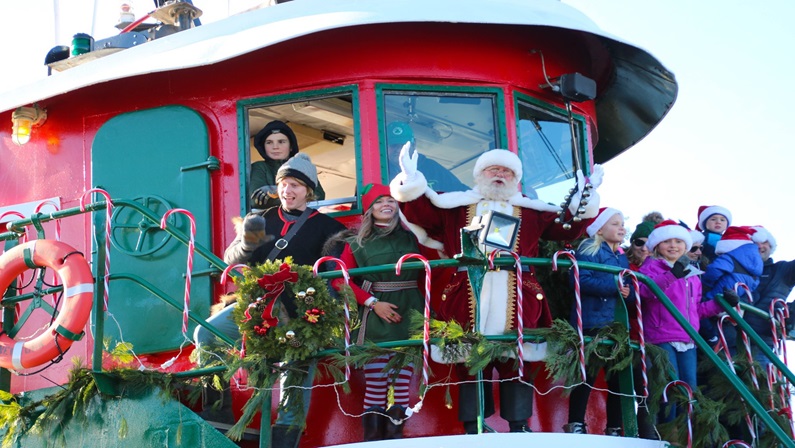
408, 161
596, 176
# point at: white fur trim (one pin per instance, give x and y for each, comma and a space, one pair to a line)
421, 234
697, 236
602, 219
660, 234
499, 157
461, 198
405, 190
723, 246
494, 303
761, 235
711, 210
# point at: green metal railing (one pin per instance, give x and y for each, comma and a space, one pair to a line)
475, 263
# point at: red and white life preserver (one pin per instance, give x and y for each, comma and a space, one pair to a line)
78, 283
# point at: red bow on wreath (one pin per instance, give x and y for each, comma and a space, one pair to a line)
268, 319
273, 284
313, 315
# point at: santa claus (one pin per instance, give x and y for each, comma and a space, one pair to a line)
438, 219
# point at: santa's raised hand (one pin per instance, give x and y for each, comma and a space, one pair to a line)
408, 161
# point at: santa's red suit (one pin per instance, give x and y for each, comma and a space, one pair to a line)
438, 219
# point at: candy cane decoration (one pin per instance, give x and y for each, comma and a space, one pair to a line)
639, 312
746, 341
519, 302
774, 321
191, 247
57, 221
55, 278
108, 214
225, 275
730, 362
784, 389
347, 278
736, 442
689, 406
426, 329
578, 301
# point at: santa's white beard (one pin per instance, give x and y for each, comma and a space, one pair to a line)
493, 190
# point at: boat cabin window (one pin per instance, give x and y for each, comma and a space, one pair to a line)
546, 152
324, 130
448, 129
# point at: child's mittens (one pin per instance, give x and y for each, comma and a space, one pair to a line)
251, 231
731, 297
681, 268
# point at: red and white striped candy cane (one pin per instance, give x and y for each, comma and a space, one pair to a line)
519, 302
735, 442
730, 362
347, 278
746, 342
689, 406
24, 237
55, 278
578, 301
775, 321
225, 275
426, 329
191, 247
641, 337
771, 381
108, 214
784, 390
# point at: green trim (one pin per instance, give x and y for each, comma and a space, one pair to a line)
69, 335
28, 256
244, 149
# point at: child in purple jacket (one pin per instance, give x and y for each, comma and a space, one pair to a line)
670, 268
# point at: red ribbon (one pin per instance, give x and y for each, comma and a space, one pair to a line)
273, 284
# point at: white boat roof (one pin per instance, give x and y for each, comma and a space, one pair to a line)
250, 31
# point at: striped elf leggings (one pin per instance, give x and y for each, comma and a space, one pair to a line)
377, 383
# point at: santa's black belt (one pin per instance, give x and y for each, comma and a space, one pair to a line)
524, 268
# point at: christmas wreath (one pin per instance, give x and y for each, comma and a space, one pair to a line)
286, 316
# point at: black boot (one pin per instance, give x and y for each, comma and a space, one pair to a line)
516, 405
392, 430
468, 405
284, 436
373, 423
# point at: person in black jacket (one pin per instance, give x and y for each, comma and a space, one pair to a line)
777, 281
265, 235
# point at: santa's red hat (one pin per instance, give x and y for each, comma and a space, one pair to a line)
499, 157
665, 231
605, 213
733, 238
761, 235
705, 211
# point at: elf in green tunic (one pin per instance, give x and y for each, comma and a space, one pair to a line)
385, 300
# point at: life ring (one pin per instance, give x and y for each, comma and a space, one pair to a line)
78, 283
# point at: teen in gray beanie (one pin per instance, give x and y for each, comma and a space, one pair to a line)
301, 168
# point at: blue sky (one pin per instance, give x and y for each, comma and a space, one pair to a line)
725, 141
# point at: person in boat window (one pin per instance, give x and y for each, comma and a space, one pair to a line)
600, 293
255, 243
385, 301
275, 143
713, 220
670, 269
738, 261
442, 216
636, 251
439, 178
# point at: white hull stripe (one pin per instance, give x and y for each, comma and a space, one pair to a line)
79, 289
16, 356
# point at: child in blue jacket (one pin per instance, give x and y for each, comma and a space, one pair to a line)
600, 293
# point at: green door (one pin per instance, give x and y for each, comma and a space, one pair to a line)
151, 156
